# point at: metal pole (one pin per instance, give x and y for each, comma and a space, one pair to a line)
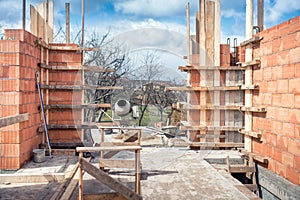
67, 23
24, 15
260, 14
82, 28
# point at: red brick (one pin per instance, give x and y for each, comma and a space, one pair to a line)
283, 114
277, 45
289, 130
257, 147
297, 131
272, 86
283, 86
288, 71
276, 99
297, 100
294, 115
280, 169
297, 163
11, 163
276, 154
288, 159
297, 67
277, 127
294, 147
282, 142
288, 100
267, 99
295, 55
294, 85
292, 175
272, 165
289, 41
266, 150
276, 73
267, 72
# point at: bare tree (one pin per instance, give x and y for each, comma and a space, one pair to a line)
110, 56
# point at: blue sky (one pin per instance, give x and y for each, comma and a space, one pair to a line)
150, 23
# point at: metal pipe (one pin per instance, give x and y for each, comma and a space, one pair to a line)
67, 23
24, 15
82, 21
260, 14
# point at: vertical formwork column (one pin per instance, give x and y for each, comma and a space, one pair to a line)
209, 61
217, 81
189, 52
248, 74
202, 60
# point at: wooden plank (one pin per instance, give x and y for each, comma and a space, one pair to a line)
80, 87
66, 190
128, 164
196, 67
104, 196
6, 121
250, 133
214, 107
108, 148
241, 169
109, 181
109, 144
90, 106
245, 190
254, 156
210, 136
86, 68
255, 62
252, 40
217, 144
216, 88
209, 128
260, 109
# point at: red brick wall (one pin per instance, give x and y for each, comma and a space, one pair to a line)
19, 58
279, 80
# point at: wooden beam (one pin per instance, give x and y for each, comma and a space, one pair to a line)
209, 128
80, 87
6, 121
196, 67
63, 48
251, 41
241, 169
216, 144
210, 136
213, 88
90, 106
99, 69
255, 62
108, 148
250, 133
221, 107
253, 109
108, 181
104, 196
128, 164
256, 157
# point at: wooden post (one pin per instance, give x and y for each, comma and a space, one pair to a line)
248, 74
80, 194
102, 140
138, 172
260, 14
188, 32
139, 136
67, 23
24, 15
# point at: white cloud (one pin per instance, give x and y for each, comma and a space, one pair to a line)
153, 8
275, 10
